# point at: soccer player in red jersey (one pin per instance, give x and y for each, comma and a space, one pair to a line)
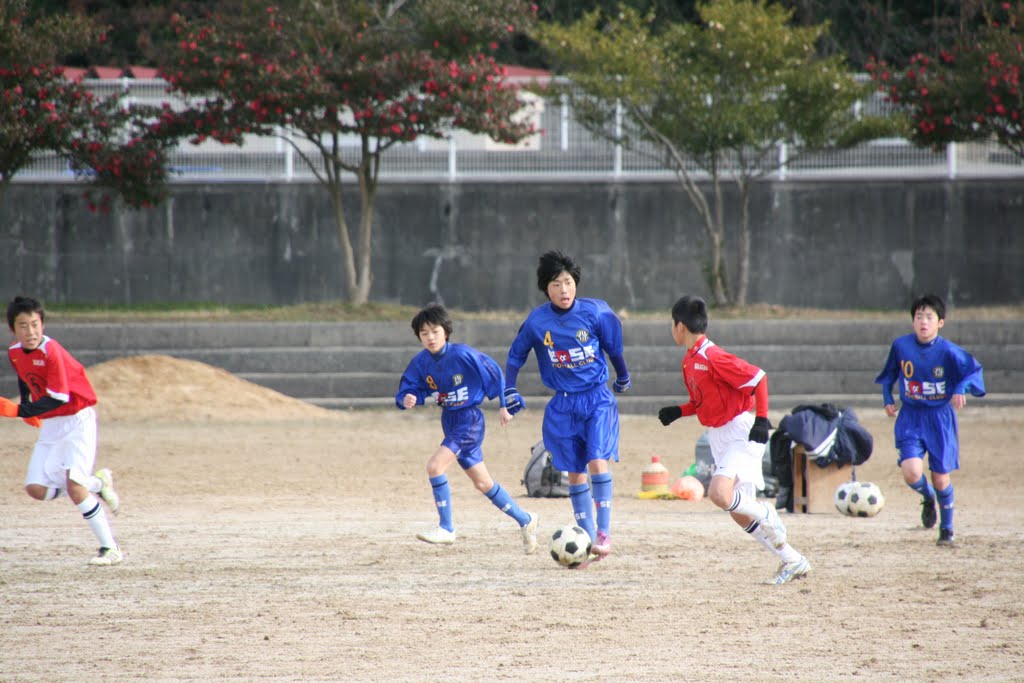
723, 390
56, 396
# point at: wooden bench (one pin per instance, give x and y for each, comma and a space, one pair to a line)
813, 486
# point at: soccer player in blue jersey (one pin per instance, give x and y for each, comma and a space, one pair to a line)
935, 376
570, 338
458, 378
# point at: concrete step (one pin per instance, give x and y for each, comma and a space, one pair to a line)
385, 384
359, 364
485, 333
773, 359
649, 405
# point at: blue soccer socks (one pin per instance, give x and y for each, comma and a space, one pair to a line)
924, 488
443, 500
602, 494
945, 498
583, 507
503, 501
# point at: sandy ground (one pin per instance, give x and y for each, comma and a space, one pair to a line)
275, 542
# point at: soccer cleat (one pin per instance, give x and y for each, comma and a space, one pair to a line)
601, 547
591, 558
789, 571
928, 514
107, 493
107, 557
774, 530
529, 532
946, 538
437, 534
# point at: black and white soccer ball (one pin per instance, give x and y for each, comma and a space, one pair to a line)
866, 500
570, 546
841, 498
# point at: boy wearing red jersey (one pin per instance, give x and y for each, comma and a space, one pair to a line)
56, 396
723, 390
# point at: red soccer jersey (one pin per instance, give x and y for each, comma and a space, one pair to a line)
721, 385
49, 370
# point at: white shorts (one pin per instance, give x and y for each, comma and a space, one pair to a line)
736, 456
65, 443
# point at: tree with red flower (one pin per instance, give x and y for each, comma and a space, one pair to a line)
377, 73
104, 141
969, 91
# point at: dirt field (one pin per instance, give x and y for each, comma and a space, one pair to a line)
276, 543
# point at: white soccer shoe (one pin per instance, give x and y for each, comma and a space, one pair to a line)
529, 532
107, 557
789, 571
774, 529
107, 493
437, 534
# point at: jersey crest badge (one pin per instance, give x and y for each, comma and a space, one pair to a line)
457, 379
582, 336
938, 372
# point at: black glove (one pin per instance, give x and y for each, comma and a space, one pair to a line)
759, 432
669, 414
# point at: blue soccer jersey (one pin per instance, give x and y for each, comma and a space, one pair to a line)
929, 374
457, 378
570, 345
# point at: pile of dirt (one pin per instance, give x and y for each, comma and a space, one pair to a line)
165, 388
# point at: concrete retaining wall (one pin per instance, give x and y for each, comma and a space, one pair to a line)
835, 244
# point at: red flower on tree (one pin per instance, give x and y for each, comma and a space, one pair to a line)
334, 77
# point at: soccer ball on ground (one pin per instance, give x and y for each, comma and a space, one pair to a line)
688, 487
842, 496
866, 500
570, 546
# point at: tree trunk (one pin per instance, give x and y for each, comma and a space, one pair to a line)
347, 257
368, 199
718, 278
743, 271
714, 270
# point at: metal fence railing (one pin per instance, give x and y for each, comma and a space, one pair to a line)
562, 150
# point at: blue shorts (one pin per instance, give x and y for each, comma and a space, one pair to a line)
464, 434
932, 431
581, 427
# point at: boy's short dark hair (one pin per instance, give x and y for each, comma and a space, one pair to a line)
551, 265
23, 304
432, 314
692, 312
928, 301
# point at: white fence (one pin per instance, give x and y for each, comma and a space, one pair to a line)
561, 151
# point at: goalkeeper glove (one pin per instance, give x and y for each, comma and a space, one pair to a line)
759, 432
8, 408
513, 401
669, 414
